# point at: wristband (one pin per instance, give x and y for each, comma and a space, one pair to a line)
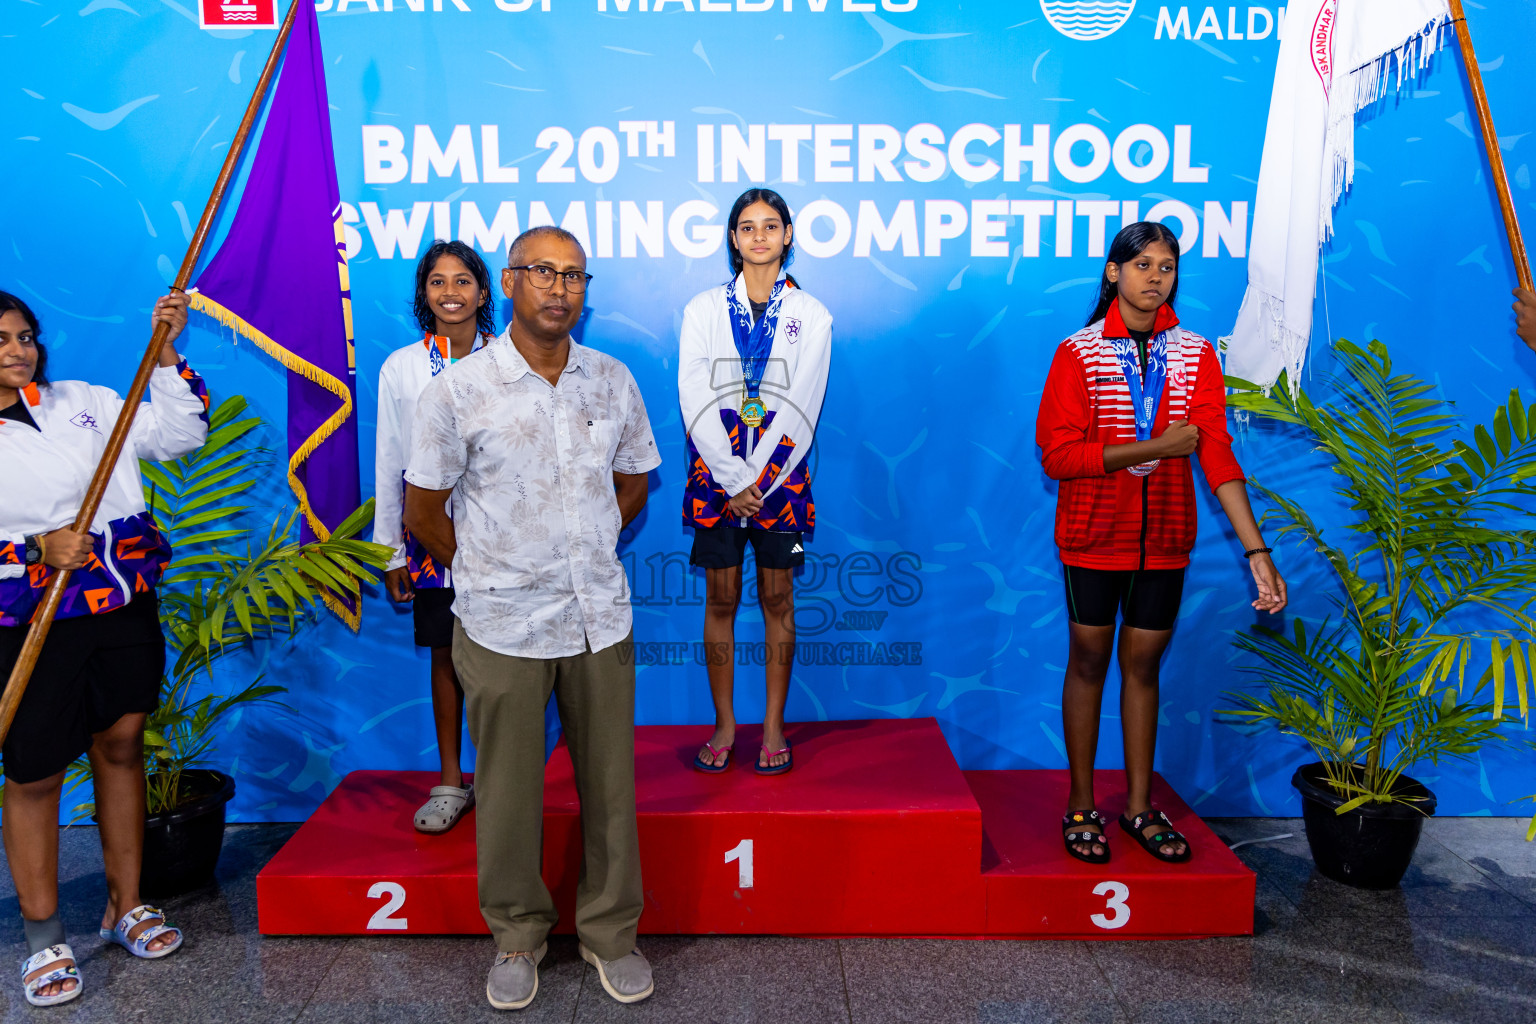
1257, 551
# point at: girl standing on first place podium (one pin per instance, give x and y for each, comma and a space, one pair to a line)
457, 316
751, 374
1128, 399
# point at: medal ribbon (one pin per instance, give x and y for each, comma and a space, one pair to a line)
754, 341
438, 354
1146, 392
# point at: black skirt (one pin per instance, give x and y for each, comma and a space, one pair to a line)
94, 669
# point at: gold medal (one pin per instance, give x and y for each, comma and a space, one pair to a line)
753, 412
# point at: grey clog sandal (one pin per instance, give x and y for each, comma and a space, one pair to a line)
444, 807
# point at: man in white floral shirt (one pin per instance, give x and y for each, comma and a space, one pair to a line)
543, 446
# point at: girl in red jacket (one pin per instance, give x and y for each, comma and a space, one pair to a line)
1128, 399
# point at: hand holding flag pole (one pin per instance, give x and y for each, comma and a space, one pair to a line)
26, 660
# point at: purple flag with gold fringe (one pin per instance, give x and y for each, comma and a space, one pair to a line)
280, 280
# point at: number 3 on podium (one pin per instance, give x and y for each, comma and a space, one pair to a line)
384, 919
1119, 911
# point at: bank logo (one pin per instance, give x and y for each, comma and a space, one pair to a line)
237, 13
1087, 20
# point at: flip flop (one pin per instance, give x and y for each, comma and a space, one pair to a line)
709, 768
781, 769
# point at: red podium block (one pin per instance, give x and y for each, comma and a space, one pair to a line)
874, 815
1034, 889
357, 867
875, 832
871, 810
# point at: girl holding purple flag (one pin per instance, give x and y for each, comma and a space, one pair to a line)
98, 676
752, 371
457, 316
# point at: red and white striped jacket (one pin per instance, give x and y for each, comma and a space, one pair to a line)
1119, 520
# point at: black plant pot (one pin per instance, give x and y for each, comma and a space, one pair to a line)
181, 847
1369, 847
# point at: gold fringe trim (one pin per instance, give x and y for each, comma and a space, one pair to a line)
353, 617
293, 363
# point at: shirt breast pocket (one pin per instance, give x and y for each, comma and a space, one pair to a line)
604, 438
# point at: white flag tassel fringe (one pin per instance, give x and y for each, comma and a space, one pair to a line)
1336, 58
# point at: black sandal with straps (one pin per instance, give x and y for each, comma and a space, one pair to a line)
1162, 837
1073, 832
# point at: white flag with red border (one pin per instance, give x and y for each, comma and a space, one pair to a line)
1336, 58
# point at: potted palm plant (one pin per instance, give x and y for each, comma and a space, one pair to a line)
228, 587
1429, 655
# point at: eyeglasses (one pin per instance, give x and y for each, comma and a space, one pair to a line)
544, 277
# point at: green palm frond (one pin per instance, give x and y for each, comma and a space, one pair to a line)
1440, 535
229, 586
205, 486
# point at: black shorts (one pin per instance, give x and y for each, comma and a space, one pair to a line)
1146, 598
94, 669
722, 547
432, 613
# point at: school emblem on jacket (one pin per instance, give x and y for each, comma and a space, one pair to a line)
86, 420
435, 359
792, 330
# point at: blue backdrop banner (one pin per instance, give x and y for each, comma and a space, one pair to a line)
956, 171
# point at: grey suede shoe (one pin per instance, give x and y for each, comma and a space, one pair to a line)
514, 979
627, 979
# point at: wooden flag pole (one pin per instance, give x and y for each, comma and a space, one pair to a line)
1491, 144
26, 660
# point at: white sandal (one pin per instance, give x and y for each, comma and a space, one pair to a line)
444, 807
138, 944
45, 958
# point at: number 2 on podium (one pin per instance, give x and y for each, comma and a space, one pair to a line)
1120, 912
741, 853
383, 919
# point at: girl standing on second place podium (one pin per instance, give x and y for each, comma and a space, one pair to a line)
751, 374
1128, 399
457, 316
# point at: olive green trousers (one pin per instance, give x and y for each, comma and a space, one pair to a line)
505, 698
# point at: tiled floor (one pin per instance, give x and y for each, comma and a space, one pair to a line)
1456, 944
